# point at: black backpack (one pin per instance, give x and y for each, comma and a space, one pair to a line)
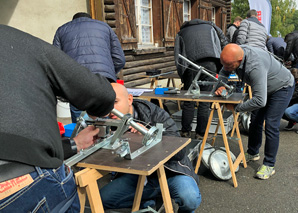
234, 38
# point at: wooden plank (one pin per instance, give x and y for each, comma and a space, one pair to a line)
109, 16
111, 23
109, 8
147, 67
235, 98
144, 164
99, 12
157, 22
149, 61
137, 82
109, 1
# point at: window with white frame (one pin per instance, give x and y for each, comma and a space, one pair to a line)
213, 14
144, 21
186, 10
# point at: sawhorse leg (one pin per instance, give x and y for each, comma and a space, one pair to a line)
241, 156
139, 192
233, 166
154, 81
173, 82
249, 90
163, 183
87, 182
204, 139
225, 139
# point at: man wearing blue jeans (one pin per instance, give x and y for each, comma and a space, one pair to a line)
182, 180
272, 88
292, 113
33, 177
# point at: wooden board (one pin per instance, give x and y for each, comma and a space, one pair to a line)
144, 164
236, 98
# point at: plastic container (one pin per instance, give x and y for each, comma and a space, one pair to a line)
69, 129
61, 128
63, 110
160, 91
120, 82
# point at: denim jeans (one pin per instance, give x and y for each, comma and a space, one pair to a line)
121, 191
75, 113
292, 113
50, 188
272, 114
189, 106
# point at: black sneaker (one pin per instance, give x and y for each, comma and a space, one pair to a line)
290, 126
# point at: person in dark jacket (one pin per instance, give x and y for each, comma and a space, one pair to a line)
201, 42
93, 44
231, 29
33, 176
276, 45
291, 49
182, 180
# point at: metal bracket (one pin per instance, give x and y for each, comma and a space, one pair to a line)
113, 140
194, 88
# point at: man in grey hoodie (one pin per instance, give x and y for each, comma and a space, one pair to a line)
272, 87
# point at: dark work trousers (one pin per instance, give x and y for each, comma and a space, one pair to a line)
75, 113
189, 106
271, 113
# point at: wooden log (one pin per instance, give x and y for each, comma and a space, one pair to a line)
132, 77
109, 8
137, 82
130, 57
111, 23
136, 76
109, 1
110, 16
148, 67
149, 61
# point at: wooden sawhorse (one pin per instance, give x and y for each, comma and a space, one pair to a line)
241, 157
143, 165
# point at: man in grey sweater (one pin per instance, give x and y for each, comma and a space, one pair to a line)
252, 32
272, 87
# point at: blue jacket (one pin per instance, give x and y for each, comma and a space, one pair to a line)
93, 44
276, 45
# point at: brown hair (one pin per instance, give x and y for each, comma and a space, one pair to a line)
238, 18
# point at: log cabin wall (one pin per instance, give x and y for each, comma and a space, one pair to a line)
156, 49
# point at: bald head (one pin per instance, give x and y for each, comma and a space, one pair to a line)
123, 101
231, 57
120, 89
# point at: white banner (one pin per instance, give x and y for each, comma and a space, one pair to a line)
264, 9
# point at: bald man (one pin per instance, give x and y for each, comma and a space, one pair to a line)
272, 88
182, 180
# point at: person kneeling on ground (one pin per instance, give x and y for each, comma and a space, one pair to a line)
182, 180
